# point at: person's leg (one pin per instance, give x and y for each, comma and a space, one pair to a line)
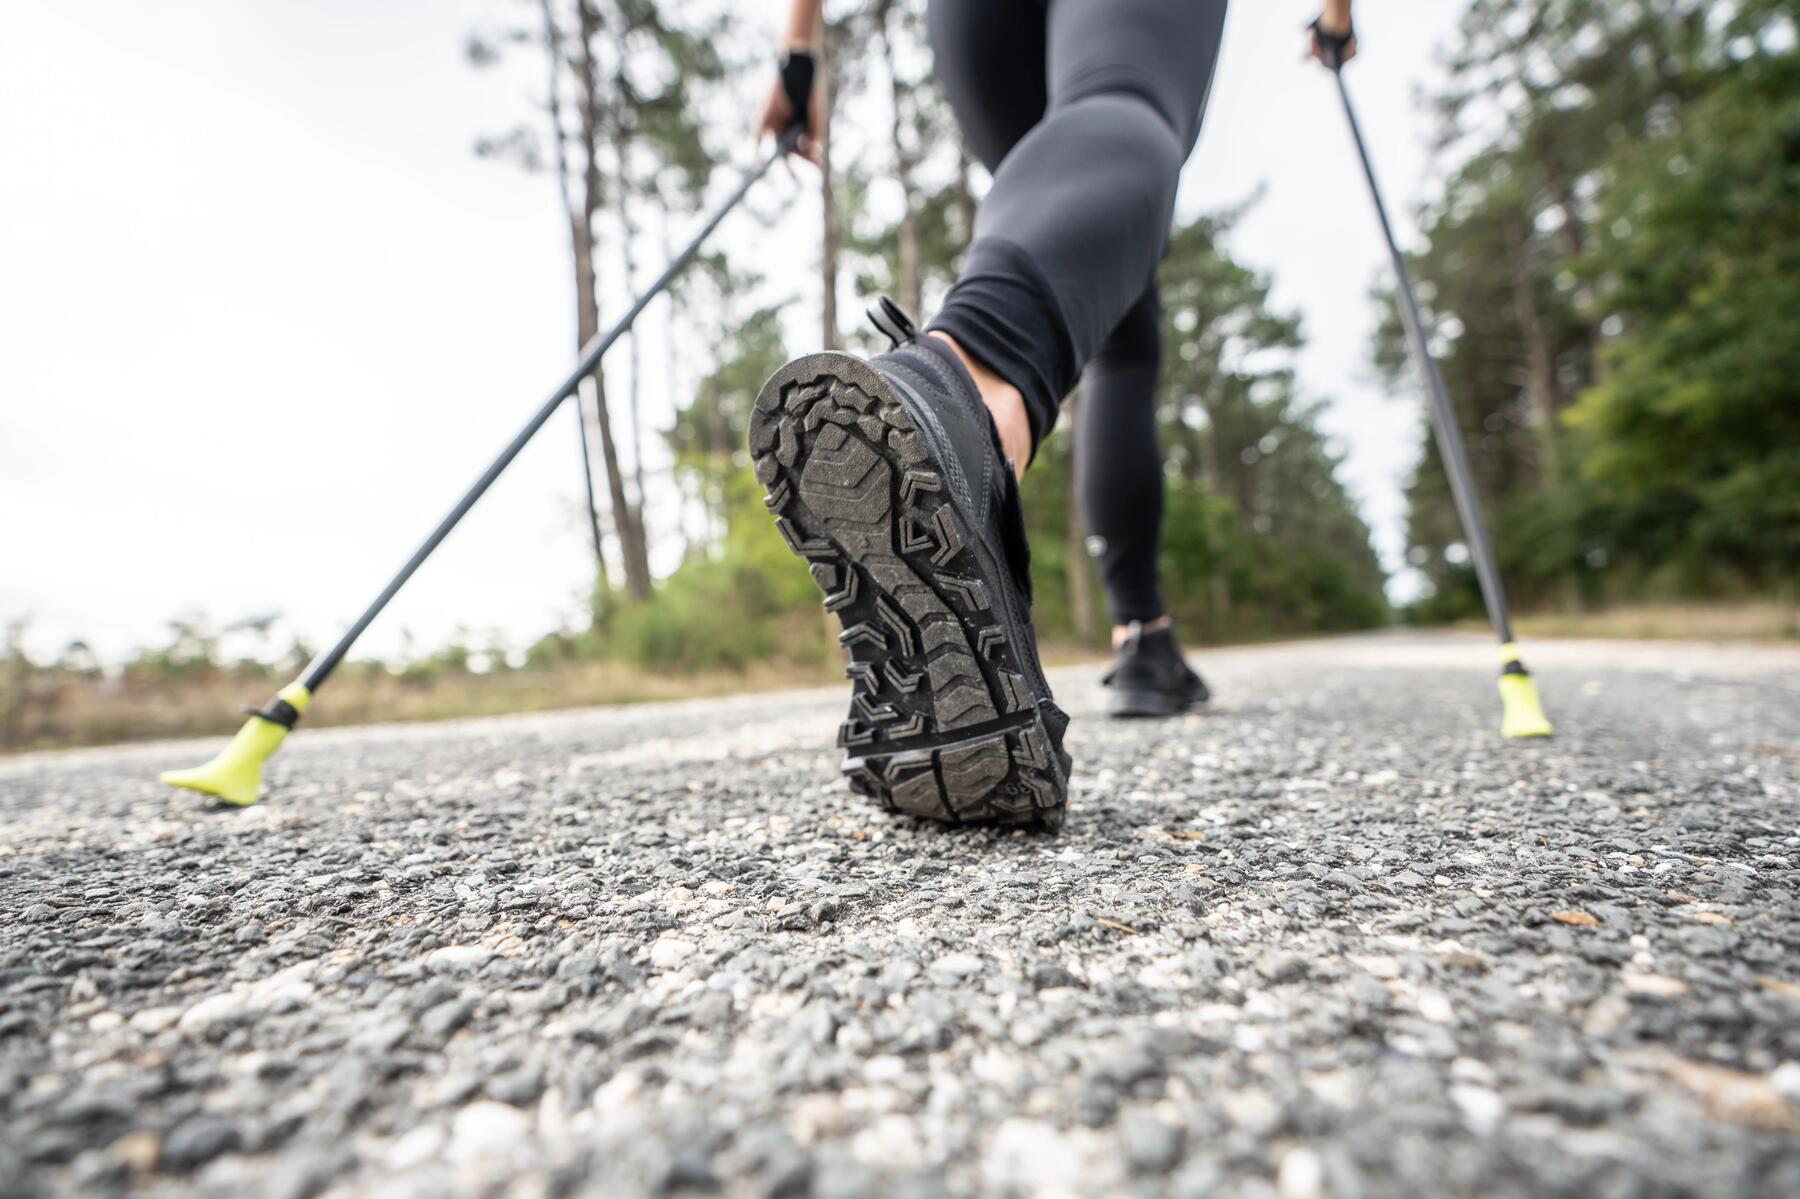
886, 474
1068, 237
1120, 481
992, 59
1118, 464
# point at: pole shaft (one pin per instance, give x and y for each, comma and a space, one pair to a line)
322, 666
1443, 424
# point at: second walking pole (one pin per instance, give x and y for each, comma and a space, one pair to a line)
1522, 712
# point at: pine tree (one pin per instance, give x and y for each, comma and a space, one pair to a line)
623, 116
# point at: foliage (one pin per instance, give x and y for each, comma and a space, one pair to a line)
1260, 537
1612, 273
748, 600
1694, 437
1273, 545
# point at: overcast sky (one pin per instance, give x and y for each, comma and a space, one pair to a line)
263, 315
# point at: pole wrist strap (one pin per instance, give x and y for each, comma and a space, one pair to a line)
798, 69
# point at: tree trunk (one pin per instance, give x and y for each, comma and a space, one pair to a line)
587, 483
1218, 586
554, 49
587, 324
965, 192
910, 284
1080, 567
625, 518
833, 237
1540, 364
630, 531
622, 186
1574, 243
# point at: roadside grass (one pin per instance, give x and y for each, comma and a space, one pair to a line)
1749, 620
103, 712
98, 710
106, 712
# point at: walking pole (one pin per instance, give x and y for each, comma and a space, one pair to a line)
235, 775
1522, 712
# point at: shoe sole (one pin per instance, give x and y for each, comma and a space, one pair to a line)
1135, 703
944, 722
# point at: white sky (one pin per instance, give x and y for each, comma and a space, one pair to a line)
263, 314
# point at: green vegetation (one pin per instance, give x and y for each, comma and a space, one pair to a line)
1260, 538
1263, 539
1615, 281
71, 701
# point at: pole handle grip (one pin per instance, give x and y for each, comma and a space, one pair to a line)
1331, 46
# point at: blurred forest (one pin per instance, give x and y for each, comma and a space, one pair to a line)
1612, 271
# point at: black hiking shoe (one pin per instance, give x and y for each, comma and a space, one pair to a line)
1151, 678
888, 478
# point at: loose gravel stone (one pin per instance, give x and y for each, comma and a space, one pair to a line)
670, 952
1330, 937
1150, 1143
458, 959
196, 1142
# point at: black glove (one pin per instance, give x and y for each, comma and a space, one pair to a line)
797, 71
1332, 45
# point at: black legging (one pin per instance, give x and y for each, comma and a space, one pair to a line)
1084, 110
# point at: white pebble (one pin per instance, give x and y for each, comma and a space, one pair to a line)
1026, 1156
1786, 1079
419, 1147
212, 1009
1435, 1008
957, 965
456, 959
1301, 1175
485, 1127
670, 952
1481, 1109
153, 1020
618, 1094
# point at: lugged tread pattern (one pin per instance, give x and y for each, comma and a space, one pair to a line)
942, 722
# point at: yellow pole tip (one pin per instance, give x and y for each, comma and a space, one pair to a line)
235, 774
1522, 712
221, 784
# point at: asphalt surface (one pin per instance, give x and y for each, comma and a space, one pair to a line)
1331, 938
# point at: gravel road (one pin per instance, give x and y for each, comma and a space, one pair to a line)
1331, 938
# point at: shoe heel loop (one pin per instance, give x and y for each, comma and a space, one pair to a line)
893, 323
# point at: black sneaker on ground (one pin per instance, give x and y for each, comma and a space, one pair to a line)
1151, 678
888, 477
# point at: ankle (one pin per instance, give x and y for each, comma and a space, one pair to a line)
1005, 403
1123, 632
